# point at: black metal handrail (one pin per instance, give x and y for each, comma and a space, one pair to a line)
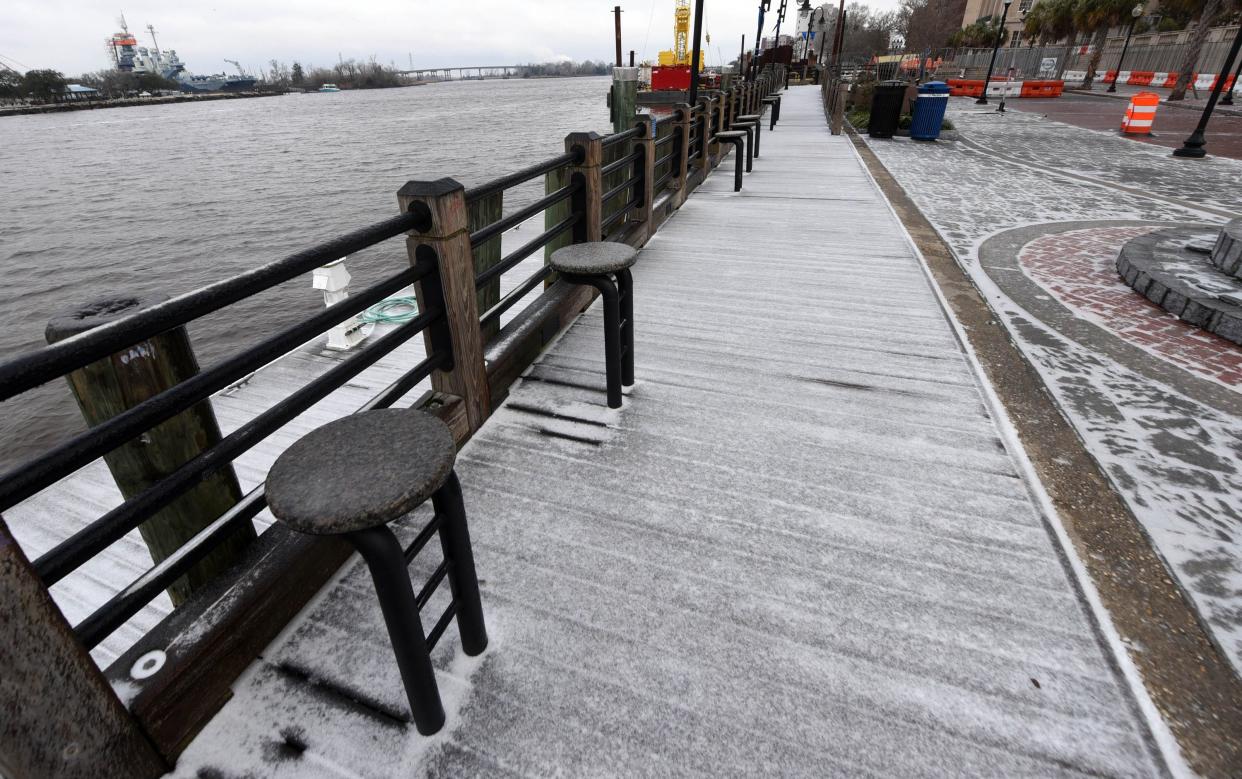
62, 559
92, 539
517, 293
51, 362
665, 140
494, 229
620, 163
617, 190
520, 177
525, 250
29, 478
621, 212
615, 138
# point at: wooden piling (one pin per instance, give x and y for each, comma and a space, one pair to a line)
60, 717
121, 381
624, 98
480, 214
449, 237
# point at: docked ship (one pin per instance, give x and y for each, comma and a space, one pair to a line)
128, 57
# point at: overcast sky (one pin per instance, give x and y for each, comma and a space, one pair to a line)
68, 35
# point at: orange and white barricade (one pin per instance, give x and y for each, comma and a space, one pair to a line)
1140, 114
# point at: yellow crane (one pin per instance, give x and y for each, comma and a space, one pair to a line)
680, 53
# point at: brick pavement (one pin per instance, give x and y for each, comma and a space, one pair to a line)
1078, 268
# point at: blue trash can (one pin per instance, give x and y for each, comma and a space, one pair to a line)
929, 109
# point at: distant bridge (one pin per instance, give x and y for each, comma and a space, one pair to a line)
477, 72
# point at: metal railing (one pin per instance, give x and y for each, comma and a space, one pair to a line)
60, 359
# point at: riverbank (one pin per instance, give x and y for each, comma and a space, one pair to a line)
129, 102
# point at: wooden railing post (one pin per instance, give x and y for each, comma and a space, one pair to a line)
682, 128
117, 383
645, 168
587, 200
718, 110
61, 718
447, 235
706, 130
480, 214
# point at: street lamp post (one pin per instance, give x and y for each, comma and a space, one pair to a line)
1013, 55
696, 53
1000, 34
1135, 13
1192, 147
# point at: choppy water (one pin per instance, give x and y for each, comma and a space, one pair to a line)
164, 199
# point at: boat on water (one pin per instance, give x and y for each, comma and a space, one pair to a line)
329, 88
128, 57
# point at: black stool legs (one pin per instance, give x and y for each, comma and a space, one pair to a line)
464, 583
618, 328
387, 562
625, 289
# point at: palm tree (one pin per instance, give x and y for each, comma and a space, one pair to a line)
1096, 18
1206, 16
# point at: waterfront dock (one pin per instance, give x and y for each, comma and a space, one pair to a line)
808, 543
804, 546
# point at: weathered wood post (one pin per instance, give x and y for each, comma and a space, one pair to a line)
645, 168
838, 108
681, 127
624, 98
718, 114
480, 214
707, 129
448, 236
60, 717
587, 200
121, 381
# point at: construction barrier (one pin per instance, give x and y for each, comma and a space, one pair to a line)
1140, 114
968, 87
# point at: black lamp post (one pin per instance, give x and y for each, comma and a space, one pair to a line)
1229, 95
1000, 34
1192, 147
754, 63
698, 48
1135, 13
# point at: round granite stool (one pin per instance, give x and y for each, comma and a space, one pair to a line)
739, 139
596, 264
750, 119
352, 477
773, 102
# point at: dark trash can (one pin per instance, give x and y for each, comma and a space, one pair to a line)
886, 105
929, 109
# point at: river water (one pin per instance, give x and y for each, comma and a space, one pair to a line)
164, 199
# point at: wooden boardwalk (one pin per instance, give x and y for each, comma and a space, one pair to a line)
801, 547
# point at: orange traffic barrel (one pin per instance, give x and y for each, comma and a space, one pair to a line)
1140, 114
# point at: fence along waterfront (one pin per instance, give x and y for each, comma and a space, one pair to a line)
619, 187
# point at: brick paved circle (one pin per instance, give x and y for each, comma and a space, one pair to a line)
1077, 268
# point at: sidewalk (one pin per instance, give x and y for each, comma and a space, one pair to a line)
1036, 210
803, 547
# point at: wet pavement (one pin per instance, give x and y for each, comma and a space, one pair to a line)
1171, 127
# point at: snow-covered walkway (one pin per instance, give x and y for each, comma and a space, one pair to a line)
802, 547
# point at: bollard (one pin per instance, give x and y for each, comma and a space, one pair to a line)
1140, 114
333, 280
121, 381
